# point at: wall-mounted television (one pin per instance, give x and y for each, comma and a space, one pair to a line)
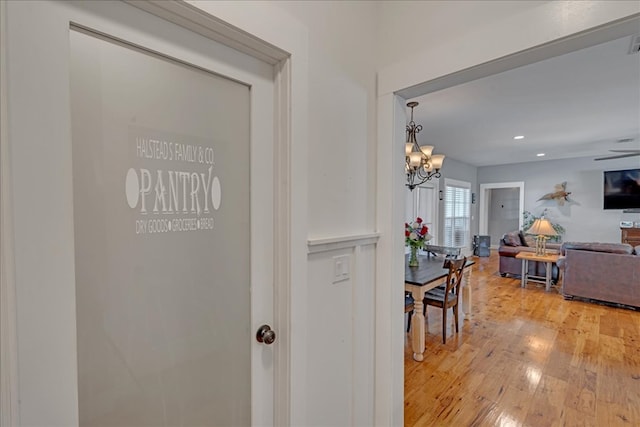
622, 189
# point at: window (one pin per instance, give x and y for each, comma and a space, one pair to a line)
457, 213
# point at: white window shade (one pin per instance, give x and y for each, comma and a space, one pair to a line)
457, 213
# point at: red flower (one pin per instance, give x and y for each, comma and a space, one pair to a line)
419, 220
406, 233
424, 230
406, 225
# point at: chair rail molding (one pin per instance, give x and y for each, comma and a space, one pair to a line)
325, 244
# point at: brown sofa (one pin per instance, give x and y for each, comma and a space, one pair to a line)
608, 272
512, 244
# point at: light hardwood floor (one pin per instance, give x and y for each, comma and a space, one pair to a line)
527, 358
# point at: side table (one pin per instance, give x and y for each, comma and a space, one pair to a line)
548, 259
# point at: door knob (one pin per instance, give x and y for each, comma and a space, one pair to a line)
265, 334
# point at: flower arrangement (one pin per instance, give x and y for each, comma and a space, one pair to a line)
416, 234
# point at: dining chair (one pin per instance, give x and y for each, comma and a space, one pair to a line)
408, 308
448, 296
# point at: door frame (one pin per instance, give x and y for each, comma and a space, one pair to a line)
287, 221
8, 327
483, 215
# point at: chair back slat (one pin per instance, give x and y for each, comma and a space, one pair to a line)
454, 277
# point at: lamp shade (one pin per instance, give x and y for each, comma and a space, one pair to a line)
542, 227
408, 148
415, 158
427, 150
436, 161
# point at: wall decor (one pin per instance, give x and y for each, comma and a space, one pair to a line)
560, 195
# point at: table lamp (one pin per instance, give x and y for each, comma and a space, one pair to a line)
542, 228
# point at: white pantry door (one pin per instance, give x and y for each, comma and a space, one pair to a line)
142, 157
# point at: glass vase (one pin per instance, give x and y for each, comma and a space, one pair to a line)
413, 259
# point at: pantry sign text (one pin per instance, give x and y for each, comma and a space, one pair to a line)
179, 198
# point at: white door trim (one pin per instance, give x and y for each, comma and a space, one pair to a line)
212, 27
216, 29
389, 318
9, 414
484, 206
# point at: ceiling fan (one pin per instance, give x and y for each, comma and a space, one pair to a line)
627, 153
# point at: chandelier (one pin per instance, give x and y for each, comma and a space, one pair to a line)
420, 165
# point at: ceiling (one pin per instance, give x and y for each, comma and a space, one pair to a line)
575, 105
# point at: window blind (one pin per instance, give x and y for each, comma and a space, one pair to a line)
457, 216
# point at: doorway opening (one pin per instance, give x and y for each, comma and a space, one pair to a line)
501, 209
395, 105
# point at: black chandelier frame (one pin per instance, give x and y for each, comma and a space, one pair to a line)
417, 175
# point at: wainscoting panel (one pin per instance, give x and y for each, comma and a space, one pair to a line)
340, 331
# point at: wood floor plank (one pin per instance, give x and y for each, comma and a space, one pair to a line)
526, 358
547, 403
513, 407
574, 418
581, 392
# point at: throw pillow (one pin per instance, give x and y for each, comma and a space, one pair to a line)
512, 239
530, 240
523, 240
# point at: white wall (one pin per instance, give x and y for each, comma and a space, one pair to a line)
341, 104
426, 40
429, 22
339, 319
582, 217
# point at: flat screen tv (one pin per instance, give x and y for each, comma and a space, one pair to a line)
622, 189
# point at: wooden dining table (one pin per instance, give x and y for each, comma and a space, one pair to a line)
429, 274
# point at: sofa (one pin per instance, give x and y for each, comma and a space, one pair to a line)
607, 272
514, 242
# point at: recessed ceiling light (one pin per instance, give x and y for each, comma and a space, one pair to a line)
540, 154
519, 137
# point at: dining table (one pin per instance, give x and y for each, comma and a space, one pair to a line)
431, 273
